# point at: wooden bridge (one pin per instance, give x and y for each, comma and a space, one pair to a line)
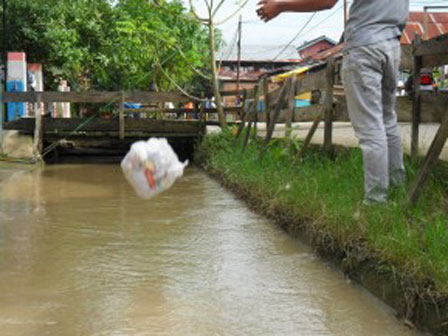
95, 135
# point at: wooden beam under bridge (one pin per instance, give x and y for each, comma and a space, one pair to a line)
94, 97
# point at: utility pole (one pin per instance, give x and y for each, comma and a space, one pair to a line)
425, 22
239, 55
345, 13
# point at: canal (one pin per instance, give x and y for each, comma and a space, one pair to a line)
80, 254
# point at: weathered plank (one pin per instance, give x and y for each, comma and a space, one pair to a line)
267, 104
328, 106
252, 114
232, 109
309, 136
429, 162
245, 117
62, 125
435, 46
94, 97
278, 108
428, 61
311, 81
291, 106
232, 93
273, 97
416, 108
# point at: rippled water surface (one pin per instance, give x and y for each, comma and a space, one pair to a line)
80, 254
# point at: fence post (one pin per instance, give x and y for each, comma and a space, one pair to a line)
266, 102
291, 107
429, 162
310, 135
416, 106
256, 114
278, 108
121, 117
252, 114
328, 106
243, 104
37, 145
245, 116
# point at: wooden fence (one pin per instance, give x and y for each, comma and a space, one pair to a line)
323, 78
427, 54
326, 79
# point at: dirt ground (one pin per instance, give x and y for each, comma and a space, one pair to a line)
343, 134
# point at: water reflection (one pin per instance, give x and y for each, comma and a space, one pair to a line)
80, 254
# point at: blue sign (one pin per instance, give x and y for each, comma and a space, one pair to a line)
15, 110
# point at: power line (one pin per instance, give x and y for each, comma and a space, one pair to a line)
232, 45
296, 36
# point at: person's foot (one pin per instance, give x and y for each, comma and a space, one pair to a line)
370, 202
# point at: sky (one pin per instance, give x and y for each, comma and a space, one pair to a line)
279, 32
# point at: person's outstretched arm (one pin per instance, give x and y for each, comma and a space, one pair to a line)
269, 9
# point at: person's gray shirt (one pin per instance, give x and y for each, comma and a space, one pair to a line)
372, 21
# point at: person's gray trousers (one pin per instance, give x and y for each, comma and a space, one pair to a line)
369, 74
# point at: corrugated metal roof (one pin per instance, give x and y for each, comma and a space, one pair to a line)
437, 25
316, 40
259, 53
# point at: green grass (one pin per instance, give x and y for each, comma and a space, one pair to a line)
328, 194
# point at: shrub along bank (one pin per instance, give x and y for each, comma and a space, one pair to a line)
322, 198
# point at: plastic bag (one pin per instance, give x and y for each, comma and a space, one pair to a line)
151, 167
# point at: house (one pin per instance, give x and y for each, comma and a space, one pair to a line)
255, 62
437, 23
311, 49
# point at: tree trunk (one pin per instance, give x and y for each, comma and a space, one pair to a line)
218, 100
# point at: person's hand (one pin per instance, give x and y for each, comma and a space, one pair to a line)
268, 9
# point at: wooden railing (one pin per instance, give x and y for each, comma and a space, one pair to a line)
427, 54
325, 79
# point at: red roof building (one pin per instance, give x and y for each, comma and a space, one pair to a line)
312, 49
437, 25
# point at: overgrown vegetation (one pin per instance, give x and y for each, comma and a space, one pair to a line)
325, 195
110, 44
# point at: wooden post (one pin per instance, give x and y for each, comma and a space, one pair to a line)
121, 117
309, 135
256, 116
328, 106
243, 104
429, 162
201, 115
291, 107
38, 136
245, 117
416, 108
277, 110
266, 102
252, 115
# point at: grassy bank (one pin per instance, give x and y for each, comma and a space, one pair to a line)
325, 197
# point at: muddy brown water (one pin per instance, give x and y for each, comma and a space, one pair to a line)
80, 254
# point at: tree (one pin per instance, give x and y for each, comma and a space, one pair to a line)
211, 23
109, 44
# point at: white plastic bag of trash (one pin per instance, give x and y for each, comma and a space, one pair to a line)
152, 167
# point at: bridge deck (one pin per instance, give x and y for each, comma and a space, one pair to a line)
109, 128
